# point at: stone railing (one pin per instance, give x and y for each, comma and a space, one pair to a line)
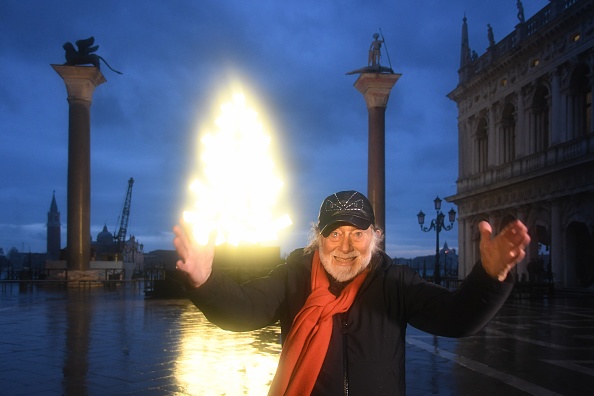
555, 156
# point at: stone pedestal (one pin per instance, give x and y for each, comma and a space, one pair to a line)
376, 88
80, 83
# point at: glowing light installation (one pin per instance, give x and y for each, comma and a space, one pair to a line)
239, 185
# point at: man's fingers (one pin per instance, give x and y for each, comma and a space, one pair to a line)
515, 256
517, 234
180, 241
179, 264
180, 248
485, 230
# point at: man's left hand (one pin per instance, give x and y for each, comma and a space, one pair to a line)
501, 253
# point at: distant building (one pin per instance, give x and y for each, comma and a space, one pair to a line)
133, 254
4, 265
424, 265
526, 140
54, 229
105, 248
26, 265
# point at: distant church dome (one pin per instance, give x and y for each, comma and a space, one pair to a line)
105, 237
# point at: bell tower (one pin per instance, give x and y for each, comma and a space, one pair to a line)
53, 231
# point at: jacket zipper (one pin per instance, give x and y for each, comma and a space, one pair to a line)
345, 360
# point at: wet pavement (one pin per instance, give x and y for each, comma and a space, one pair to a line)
114, 342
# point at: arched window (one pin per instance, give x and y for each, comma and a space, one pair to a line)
508, 134
482, 145
580, 102
539, 128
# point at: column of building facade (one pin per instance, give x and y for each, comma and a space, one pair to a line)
468, 143
498, 139
491, 138
469, 247
563, 109
475, 240
556, 108
465, 247
523, 214
461, 149
471, 237
527, 131
473, 162
529, 141
520, 125
570, 108
557, 267
466, 158
591, 77
504, 132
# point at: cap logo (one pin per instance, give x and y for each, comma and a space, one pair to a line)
332, 206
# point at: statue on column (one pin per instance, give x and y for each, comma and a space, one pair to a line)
374, 51
373, 58
85, 54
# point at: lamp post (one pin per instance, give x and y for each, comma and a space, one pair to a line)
438, 225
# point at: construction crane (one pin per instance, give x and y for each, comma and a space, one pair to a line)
120, 237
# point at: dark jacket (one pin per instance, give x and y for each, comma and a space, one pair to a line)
372, 332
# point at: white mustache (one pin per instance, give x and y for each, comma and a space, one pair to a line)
345, 256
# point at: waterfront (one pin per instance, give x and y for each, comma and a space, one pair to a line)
100, 341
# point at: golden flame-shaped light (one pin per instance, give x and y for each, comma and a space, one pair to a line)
239, 186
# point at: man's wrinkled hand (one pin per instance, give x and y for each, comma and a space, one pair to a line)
501, 253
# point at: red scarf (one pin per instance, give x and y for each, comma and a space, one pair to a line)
307, 343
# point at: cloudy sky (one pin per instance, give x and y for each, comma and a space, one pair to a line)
179, 57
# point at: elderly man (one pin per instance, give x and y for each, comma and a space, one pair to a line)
344, 307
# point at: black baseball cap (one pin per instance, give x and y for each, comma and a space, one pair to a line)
345, 207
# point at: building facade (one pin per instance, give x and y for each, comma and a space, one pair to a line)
526, 140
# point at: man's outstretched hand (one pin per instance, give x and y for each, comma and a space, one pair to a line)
196, 260
501, 253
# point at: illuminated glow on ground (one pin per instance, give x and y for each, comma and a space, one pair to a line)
216, 362
236, 193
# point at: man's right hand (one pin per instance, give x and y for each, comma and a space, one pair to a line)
196, 260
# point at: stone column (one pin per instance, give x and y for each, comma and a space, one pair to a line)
80, 83
376, 88
524, 215
464, 239
521, 128
558, 268
469, 259
591, 79
492, 143
556, 126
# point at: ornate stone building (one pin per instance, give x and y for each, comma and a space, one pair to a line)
526, 140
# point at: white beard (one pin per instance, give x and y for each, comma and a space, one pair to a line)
344, 273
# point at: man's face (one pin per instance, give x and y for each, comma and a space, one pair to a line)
347, 251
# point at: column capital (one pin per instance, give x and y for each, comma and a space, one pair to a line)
81, 81
376, 88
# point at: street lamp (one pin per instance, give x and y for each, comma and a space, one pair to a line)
439, 225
